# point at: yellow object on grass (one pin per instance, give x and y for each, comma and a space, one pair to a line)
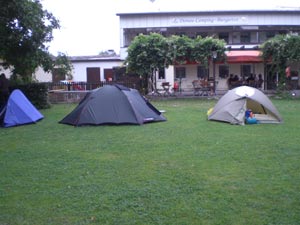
210, 111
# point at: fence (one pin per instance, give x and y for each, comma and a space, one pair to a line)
85, 86
73, 92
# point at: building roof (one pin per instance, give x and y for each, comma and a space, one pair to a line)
206, 12
95, 58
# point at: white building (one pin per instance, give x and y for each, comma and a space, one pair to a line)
242, 30
92, 69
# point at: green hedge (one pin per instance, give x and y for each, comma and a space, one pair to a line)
37, 94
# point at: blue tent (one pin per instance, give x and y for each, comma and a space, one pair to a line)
19, 111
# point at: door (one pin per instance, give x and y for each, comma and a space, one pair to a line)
93, 77
108, 74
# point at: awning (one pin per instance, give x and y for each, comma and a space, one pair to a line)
244, 56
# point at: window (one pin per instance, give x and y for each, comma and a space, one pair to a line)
270, 34
161, 74
265, 35
223, 71
262, 37
245, 71
224, 36
236, 38
245, 37
202, 34
180, 72
202, 72
180, 33
282, 32
254, 37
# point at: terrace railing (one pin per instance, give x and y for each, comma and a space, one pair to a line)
85, 86
68, 92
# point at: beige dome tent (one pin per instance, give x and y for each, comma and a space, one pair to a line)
232, 106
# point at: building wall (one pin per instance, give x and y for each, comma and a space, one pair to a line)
213, 18
79, 71
42, 76
258, 23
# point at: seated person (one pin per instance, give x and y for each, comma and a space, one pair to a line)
251, 80
249, 117
235, 81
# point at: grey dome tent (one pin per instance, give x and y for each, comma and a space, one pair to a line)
232, 106
113, 104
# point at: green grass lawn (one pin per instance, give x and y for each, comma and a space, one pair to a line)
184, 171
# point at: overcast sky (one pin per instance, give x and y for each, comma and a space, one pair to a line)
91, 26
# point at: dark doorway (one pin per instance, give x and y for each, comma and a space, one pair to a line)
108, 74
93, 77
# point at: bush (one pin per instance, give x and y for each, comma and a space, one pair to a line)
37, 93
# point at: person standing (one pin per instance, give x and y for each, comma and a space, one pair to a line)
259, 81
4, 89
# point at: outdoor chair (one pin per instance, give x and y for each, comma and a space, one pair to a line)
166, 88
197, 87
200, 88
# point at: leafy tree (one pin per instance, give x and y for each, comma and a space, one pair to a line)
184, 49
25, 30
148, 54
63, 66
180, 49
203, 49
281, 51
